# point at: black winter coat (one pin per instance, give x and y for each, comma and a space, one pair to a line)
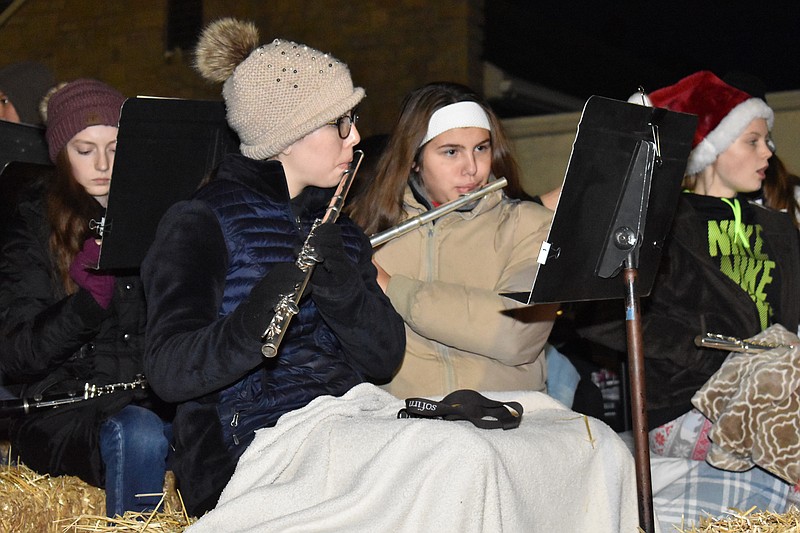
691, 297
53, 343
206, 319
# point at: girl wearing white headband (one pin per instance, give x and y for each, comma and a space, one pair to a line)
445, 277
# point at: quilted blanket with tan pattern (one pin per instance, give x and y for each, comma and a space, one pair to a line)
753, 402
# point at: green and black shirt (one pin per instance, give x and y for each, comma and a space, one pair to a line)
736, 246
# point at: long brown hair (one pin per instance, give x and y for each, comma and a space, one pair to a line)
778, 188
380, 206
69, 210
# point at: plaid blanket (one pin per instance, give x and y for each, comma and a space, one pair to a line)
747, 416
684, 491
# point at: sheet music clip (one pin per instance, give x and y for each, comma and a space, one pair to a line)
100, 227
645, 101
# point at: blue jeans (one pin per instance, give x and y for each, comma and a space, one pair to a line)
134, 445
562, 377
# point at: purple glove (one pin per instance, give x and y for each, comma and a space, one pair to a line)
101, 286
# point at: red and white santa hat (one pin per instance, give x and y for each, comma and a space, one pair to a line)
723, 113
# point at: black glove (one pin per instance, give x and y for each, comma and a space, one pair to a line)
257, 310
335, 269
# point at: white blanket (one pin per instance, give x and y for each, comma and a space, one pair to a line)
348, 464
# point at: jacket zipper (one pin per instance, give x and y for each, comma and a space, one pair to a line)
234, 425
443, 351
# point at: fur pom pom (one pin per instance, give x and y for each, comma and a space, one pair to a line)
222, 46
46, 100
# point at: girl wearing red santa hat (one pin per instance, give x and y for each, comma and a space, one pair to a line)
729, 266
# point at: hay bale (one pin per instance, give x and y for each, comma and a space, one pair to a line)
750, 521
34, 503
30, 502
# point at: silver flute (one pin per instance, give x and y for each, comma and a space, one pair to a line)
377, 239
734, 344
289, 304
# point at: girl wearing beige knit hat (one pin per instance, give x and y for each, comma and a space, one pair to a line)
280, 95
222, 260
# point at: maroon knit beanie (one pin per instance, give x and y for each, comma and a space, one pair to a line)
76, 106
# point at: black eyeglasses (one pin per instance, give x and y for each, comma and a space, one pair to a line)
344, 124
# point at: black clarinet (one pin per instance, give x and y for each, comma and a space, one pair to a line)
24, 406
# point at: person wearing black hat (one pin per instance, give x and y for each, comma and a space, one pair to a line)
22, 87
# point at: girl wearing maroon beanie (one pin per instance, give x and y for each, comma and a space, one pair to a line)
64, 324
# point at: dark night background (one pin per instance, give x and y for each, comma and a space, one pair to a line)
610, 48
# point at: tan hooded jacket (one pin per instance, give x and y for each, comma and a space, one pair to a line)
447, 278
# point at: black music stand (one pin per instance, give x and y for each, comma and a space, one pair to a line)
22, 142
24, 164
616, 206
165, 147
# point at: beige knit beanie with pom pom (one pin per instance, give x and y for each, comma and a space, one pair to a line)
277, 93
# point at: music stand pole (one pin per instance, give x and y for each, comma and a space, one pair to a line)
633, 326
623, 244
613, 215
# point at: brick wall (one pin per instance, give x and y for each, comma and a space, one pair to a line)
391, 46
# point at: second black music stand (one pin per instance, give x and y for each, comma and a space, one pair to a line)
24, 163
616, 206
22, 142
165, 147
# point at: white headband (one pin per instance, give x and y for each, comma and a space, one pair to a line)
459, 115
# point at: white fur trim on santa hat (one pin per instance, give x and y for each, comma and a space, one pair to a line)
465, 114
727, 131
